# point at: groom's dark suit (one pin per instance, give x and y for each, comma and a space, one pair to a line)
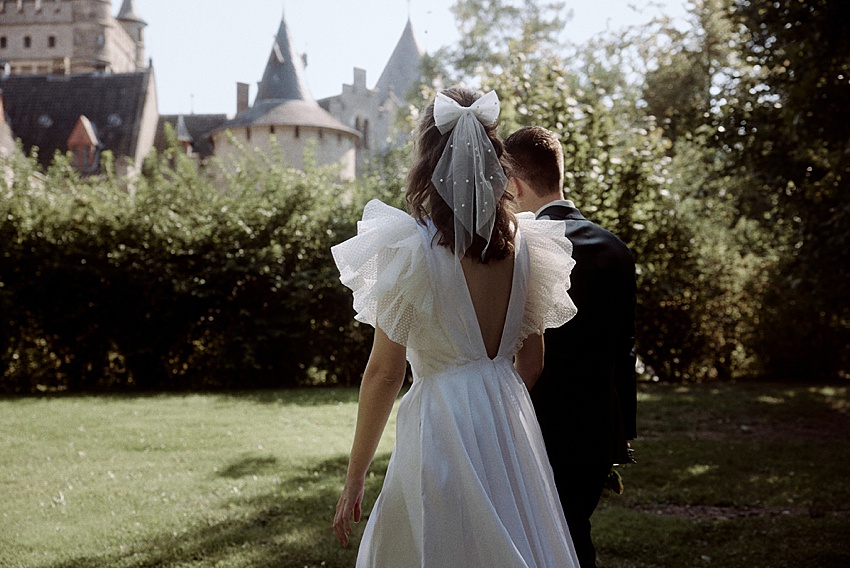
585, 398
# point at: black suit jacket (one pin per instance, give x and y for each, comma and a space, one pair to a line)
586, 397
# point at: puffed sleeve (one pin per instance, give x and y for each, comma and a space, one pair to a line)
547, 302
386, 268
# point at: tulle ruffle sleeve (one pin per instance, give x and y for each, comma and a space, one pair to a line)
547, 302
386, 268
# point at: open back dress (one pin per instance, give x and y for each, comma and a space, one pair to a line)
469, 483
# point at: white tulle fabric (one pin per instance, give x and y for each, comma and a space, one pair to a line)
383, 266
469, 483
469, 176
548, 304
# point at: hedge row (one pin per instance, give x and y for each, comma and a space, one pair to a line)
179, 280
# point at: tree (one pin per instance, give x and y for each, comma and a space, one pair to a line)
786, 128
618, 166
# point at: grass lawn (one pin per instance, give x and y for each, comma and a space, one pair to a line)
746, 475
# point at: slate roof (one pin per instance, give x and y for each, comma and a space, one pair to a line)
284, 74
403, 69
198, 127
287, 113
43, 109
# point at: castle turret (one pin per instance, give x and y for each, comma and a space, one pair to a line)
285, 119
135, 26
403, 70
92, 19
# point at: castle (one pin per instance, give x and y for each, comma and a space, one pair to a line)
74, 79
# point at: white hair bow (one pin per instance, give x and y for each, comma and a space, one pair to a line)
447, 111
469, 176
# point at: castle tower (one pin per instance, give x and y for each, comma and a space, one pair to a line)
135, 26
403, 70
373, 112
91, 34
286, 120
66, 37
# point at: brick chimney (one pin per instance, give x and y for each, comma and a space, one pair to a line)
242, 91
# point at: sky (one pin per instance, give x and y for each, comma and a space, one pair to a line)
202, 48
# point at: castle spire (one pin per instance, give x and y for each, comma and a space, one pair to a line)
283, 78
403, 69
128, 12
135, 26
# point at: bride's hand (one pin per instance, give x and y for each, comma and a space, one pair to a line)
348, 506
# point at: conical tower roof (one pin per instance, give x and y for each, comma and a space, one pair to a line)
283, 98
403, 68
183, 134
283, 78
128, 12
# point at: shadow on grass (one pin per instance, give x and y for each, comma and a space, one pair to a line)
250, 465
635, 539
290, 526
746, 475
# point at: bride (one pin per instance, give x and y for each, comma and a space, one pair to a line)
462, 289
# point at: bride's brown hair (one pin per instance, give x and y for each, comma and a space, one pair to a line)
424, 201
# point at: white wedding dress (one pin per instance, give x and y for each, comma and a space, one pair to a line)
469, 484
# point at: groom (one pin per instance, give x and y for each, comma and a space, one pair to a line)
585, 398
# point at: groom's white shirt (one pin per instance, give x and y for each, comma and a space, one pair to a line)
565, 202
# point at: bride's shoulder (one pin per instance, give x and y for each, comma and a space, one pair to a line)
384, 265
550, 260
377, 210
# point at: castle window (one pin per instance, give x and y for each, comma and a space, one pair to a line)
51, 41
297, 131
271, 129
38, 6
248, 133
101, 40
321, 134
27, 42
2, 42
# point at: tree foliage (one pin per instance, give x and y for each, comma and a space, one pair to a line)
759, 97
718, 151
175, 283
790, 116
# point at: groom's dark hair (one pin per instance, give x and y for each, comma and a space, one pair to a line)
537, 158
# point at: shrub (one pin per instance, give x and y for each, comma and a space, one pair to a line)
176, 280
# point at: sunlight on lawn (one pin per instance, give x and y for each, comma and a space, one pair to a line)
250, 480
699, 469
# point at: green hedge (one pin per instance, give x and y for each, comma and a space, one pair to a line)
176, 280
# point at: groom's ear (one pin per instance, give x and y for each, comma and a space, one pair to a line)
519, 187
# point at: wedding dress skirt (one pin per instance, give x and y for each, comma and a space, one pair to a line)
468, 484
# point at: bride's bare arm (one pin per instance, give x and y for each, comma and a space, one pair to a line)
381, 383
529, 360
